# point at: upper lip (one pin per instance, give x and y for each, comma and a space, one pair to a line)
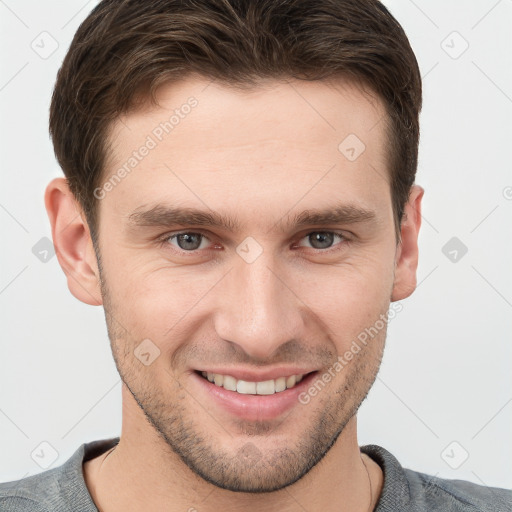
260, 375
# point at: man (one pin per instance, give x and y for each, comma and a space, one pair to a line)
240, 198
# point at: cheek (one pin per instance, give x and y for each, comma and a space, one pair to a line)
150, 301
161, 304
350, 297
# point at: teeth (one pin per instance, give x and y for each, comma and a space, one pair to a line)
246, 388
266, 387
280, 384
229, 383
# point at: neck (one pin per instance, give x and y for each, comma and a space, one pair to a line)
143, 473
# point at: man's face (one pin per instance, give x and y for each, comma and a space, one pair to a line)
264, 293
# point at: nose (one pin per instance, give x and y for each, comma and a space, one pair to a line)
258, 309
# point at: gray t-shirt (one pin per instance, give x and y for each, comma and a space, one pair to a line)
63, 489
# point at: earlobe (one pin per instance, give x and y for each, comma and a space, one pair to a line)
406, 262
72, 241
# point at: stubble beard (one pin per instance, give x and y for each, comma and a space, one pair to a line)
250, 468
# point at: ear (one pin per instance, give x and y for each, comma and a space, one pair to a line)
73, 243
406, 259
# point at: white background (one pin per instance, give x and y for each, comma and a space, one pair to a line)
446, 374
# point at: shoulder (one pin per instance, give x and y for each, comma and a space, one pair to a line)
60, 488
446, 494
405, 489
29, 494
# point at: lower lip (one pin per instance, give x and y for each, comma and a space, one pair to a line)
255, 407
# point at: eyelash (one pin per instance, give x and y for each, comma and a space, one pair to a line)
164, 240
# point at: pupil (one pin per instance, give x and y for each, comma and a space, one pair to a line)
188, 238
321, 238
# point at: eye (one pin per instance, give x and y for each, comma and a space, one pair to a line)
322, 240
191, 242
186, 241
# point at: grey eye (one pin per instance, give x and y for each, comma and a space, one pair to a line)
188, 241
322, 239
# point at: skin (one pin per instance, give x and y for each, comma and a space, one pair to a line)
271, 150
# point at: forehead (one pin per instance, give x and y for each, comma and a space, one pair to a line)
209, 143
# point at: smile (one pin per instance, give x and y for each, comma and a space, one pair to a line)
266, 387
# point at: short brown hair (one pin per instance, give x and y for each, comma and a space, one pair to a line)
127, 47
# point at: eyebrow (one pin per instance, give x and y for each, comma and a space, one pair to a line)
161, 215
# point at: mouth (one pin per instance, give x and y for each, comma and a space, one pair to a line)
252, 400
244, 387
